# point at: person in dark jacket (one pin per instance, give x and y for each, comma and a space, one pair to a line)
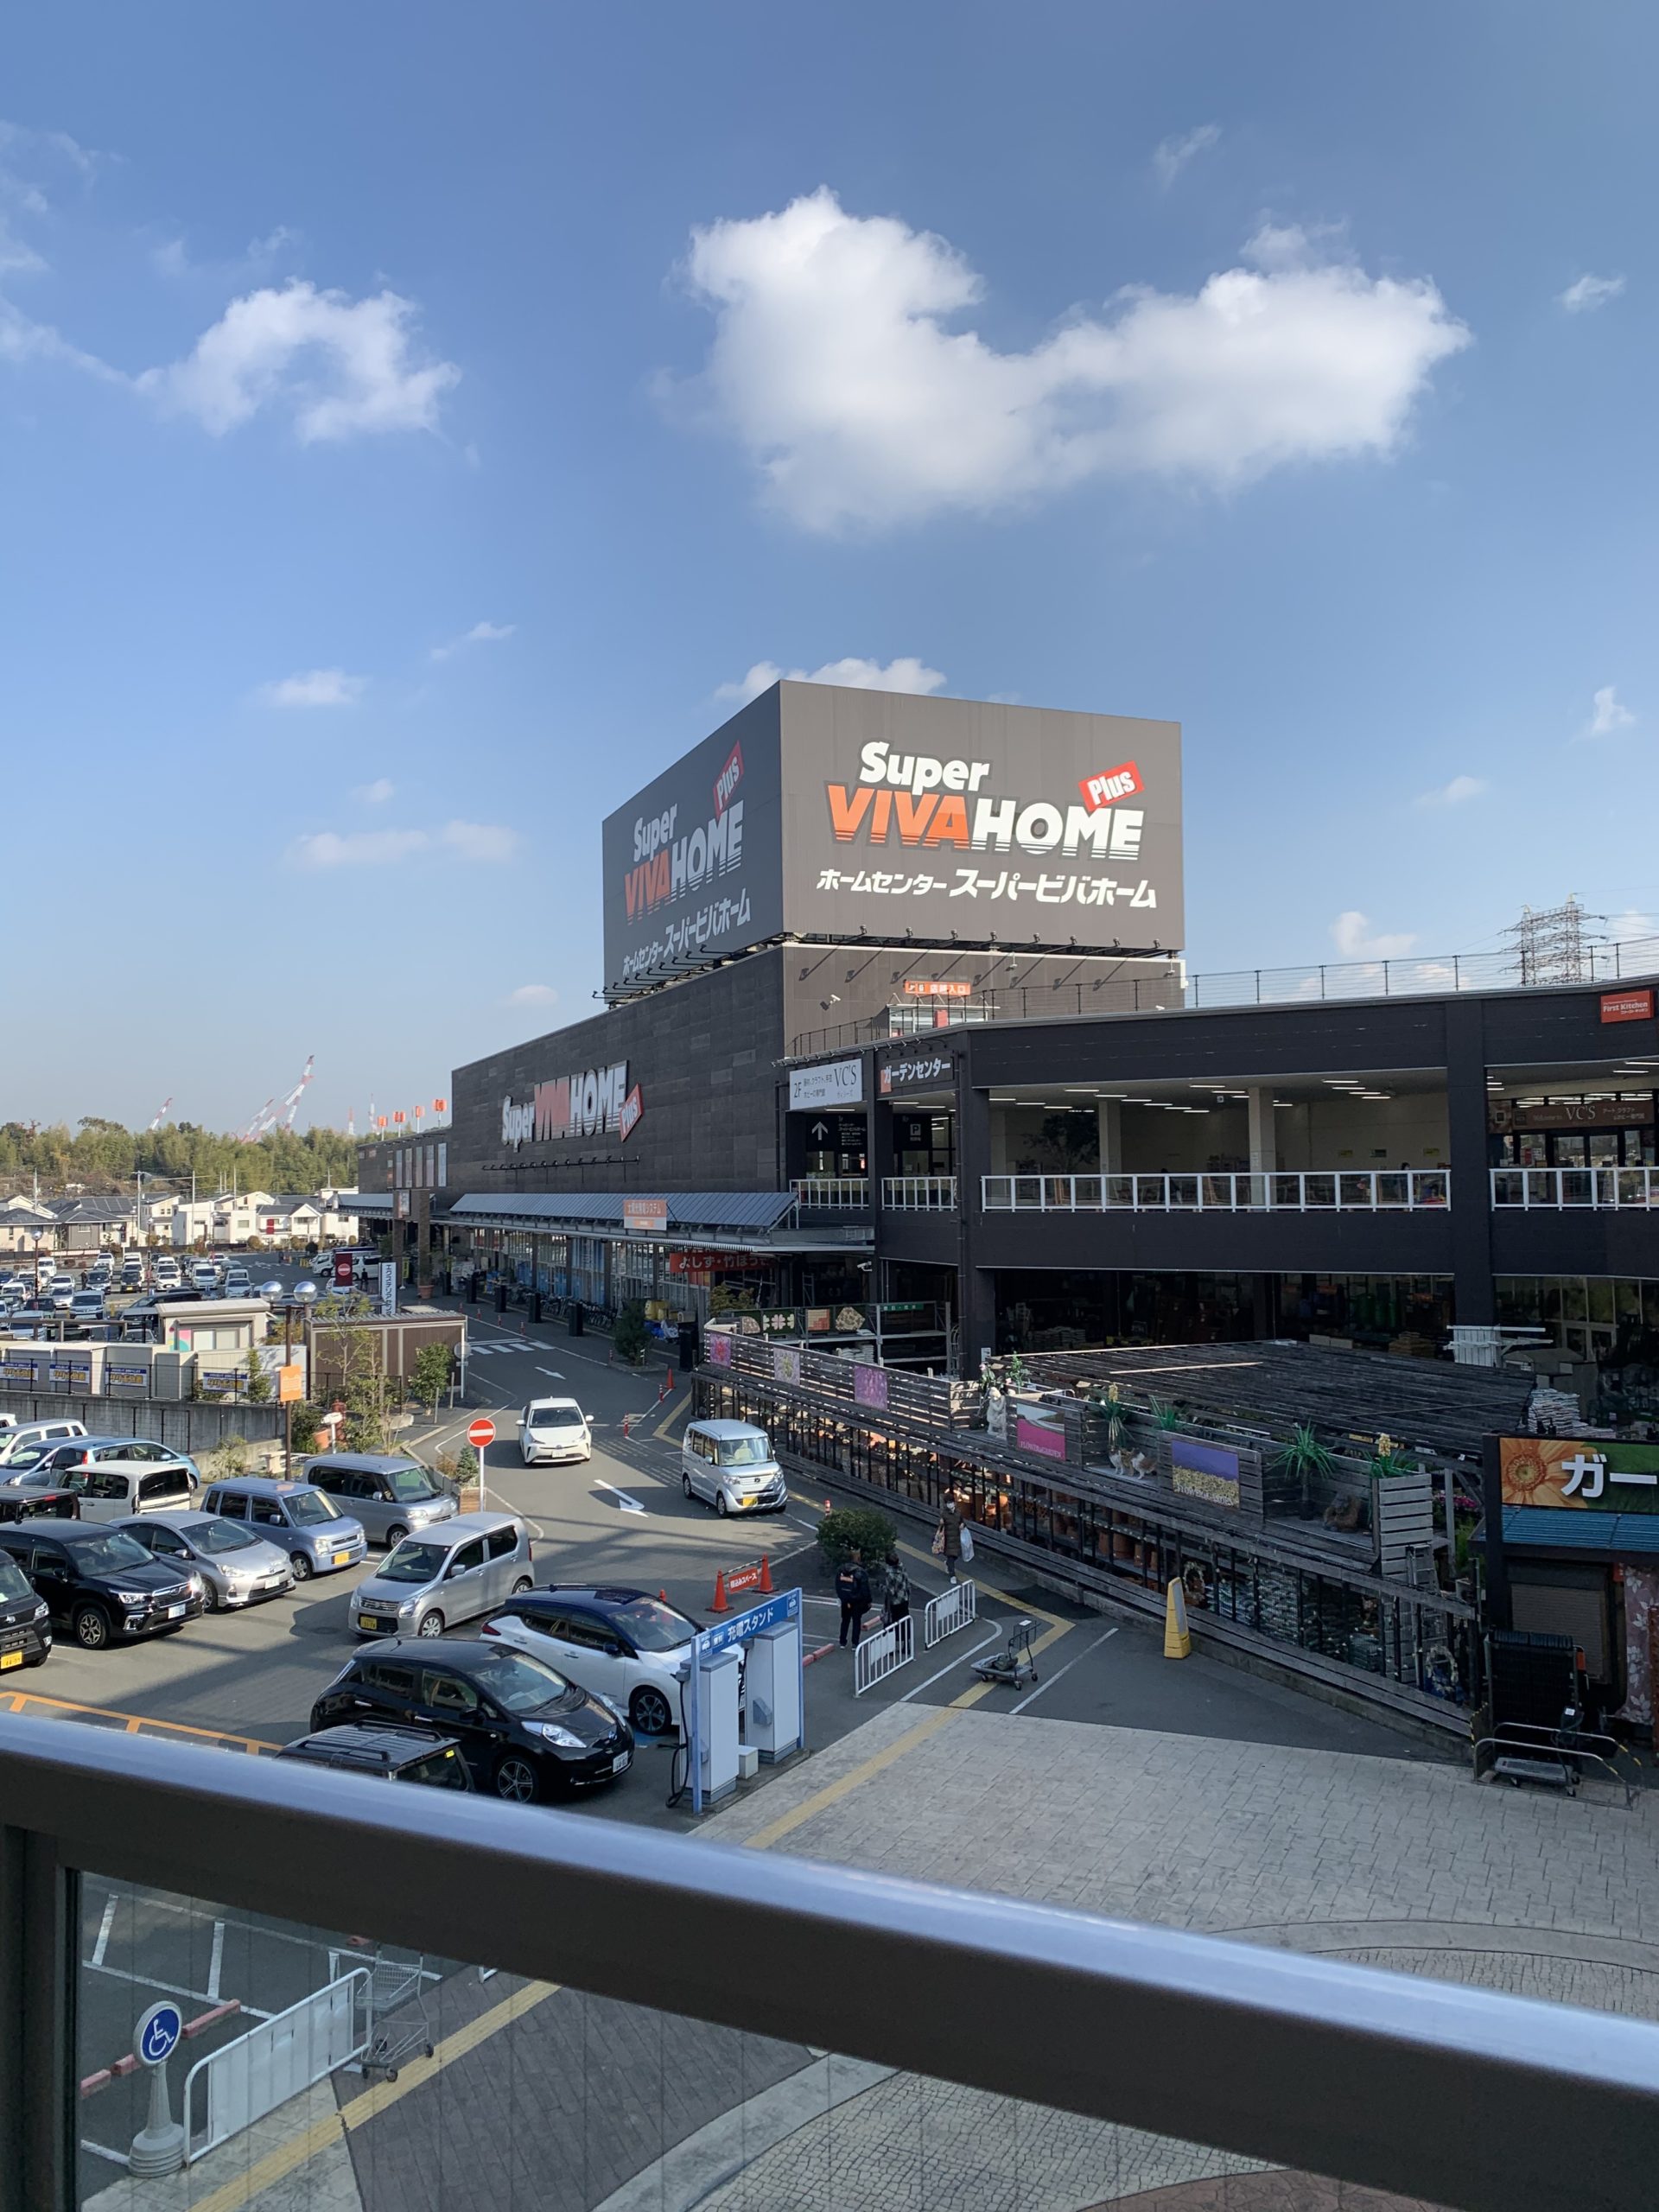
895, 1590
947, 1541
853, 1588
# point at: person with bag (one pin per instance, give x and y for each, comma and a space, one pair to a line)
895, 1590
947, 1537
853, 1588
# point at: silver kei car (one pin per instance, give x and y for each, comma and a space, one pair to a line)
237, 1567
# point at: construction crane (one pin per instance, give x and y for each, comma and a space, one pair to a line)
273, 1115
167, 1108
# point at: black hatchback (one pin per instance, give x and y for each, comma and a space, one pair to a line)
101, 1583
25, 1621
523, 1730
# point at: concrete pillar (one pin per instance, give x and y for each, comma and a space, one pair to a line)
1473, 1291
1264, 1144
1110, 1115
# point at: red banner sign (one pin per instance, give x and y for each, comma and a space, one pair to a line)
1627, 1006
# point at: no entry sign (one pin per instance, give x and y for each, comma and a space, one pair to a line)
481, 1434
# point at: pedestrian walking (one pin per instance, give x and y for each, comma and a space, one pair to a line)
947, 1537
895, 1590
853, 1588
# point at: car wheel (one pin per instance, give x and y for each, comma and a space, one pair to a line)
685, 1484
92, 1627
720, 1506
431, 1625
213, 1603
515, 1779
396, 1534
521, 1586
302, 1567
651, 1712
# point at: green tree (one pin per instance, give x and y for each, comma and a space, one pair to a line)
629, 1338
431, 1380
259, 1380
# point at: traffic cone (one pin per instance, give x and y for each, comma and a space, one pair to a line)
719, 1606
662, 1596
765, 1573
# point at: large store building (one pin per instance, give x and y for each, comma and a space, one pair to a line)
896, 1014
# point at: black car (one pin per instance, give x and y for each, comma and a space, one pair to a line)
100, 1582
384, 1748
28, 1501
525, 1731
25, 1619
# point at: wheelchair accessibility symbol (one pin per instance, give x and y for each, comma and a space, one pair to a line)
157, 2033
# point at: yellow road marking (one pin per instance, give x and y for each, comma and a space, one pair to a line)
134, 1723
323, 2135
984, 1689
669, 1419
854, 1778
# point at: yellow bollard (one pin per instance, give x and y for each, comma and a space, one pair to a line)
1177, 1641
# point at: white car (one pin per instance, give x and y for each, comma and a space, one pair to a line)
237, 1283
554, 1429
167, 1275
204, 1276
623, 1645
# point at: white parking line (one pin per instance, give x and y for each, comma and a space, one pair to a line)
172, 1989
1066, 1669
103, 1928
217, 1961
951, 1665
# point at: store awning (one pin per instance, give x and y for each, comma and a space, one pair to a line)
704, 1214
1595, 1535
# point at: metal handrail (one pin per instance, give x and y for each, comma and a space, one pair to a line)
1559, 1189
919, 1193
832, 1193
1255, 2051
1333, 1190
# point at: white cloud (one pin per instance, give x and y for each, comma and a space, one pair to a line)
1170, 156
481, 634
533, 994
1609, 713
1586, 294
1354, 940
480, 841
374, 794
317, 687
905, 674
1454, 793
338, 365
359, 848
832, 364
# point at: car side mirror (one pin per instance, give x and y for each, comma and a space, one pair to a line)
615, 1650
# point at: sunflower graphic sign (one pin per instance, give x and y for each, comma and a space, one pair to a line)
1590, 1474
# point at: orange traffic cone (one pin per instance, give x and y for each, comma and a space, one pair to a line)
719, 1606
765, 1573
662, 1596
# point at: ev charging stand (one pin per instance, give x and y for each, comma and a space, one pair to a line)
776, 1716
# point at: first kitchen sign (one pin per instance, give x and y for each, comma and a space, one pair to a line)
1627, 1006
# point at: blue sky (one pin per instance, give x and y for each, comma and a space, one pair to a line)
410, 443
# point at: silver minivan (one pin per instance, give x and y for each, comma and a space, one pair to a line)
119, 1488
392, 1495
452, 1572
732, 1465
310, 1528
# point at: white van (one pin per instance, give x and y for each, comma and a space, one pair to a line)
167, 1274
731, 1465
115, 1491
20, 1435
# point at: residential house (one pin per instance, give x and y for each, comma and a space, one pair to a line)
27, 1228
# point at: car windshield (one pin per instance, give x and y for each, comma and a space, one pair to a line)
412, 1481
307, 1507
210, 1536
30, 1456
555, 1416
651, 1626
519, 1684
112, 1554
743, 1452
413, 1562
14, 1583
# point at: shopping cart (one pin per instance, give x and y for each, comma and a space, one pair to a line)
1011, 1666
396, 2026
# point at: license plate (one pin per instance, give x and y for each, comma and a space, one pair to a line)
342, 1558
10, 1659
367, 1620
172, 1612
622, 1760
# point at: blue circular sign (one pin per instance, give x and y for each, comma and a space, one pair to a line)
156, 2035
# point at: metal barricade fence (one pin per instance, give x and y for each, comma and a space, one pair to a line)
947, 1612
883, 1654
245, 2080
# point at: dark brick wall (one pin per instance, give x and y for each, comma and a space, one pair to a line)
702, 1054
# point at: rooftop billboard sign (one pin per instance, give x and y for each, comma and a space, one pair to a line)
832, 813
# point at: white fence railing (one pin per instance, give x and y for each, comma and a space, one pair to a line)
832, 1193
951, 1610
882, 1654
1554, 1188
243, 2081
1387, 1190
919, 1193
